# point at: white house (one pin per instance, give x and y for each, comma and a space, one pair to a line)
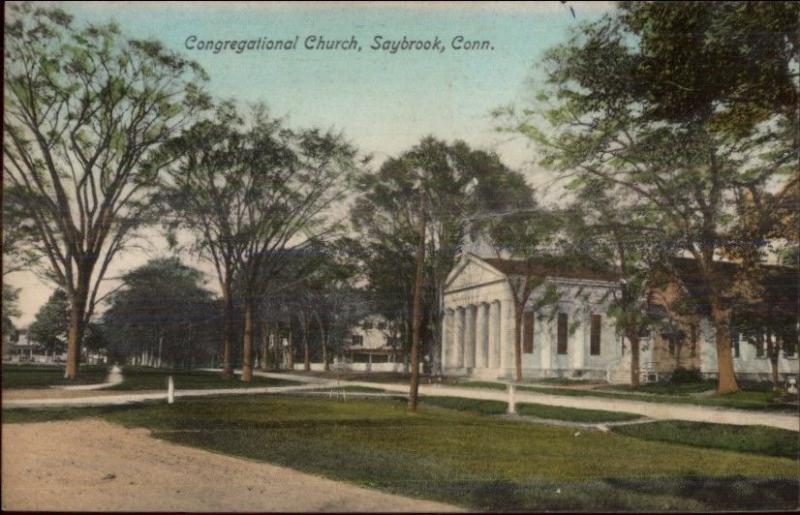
372, 345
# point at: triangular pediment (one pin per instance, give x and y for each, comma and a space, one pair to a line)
472, 271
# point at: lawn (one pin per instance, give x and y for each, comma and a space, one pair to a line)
666, 388
756, 399
44, 376
753, 439
134, 378
478, 462
140, 378
484, 407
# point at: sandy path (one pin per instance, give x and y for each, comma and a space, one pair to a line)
92, 465
55, 393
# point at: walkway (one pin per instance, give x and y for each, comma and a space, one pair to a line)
653, 410
658, 411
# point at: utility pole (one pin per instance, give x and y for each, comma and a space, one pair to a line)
417, 313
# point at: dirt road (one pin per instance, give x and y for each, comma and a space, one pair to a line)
92, 465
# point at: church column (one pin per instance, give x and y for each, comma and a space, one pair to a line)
446, 338
458, 350
506, 335
469, 337
494, 335
480, 336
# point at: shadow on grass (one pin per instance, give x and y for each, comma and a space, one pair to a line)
727, 493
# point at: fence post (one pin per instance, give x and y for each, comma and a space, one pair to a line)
512, 402
170, 390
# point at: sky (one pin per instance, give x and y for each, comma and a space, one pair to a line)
383, 102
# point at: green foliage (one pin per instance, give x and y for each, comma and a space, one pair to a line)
449, 184
85, 112
10, 309
685, 375
49, 328
163, 304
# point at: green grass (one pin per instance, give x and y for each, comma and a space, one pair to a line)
588, 416
346, 389
484, 407
476, 406
666, 388
134, 378
140, 378
44, 376
747, 400
567, 382
752, 439
477, 462
759, 399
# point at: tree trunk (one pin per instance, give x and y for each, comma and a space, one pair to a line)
75, 333
518, 309
726, 379
264, 346
290, 350
774, 352
325, 364
635, 359
276, 347
247, 350
227, 328
416, 334
306, 352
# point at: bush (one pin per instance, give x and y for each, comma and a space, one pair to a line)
685, 375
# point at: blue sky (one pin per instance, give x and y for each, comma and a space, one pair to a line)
383, 103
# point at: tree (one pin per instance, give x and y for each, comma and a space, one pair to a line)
162, 314
17, 256
85, 109
252, 191
613, 113
440, 186
523, 234
51, 325
10, 309
611, 225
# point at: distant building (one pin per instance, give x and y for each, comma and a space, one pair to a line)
373, 345
21, 348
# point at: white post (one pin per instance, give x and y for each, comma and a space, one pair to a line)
512, 402
170, 390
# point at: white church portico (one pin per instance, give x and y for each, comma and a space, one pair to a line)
571, 337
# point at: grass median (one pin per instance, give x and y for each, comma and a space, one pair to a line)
134, 378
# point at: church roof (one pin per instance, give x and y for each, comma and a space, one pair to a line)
543, 269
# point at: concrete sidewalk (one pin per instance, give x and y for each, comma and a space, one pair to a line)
131, 398
659, 411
